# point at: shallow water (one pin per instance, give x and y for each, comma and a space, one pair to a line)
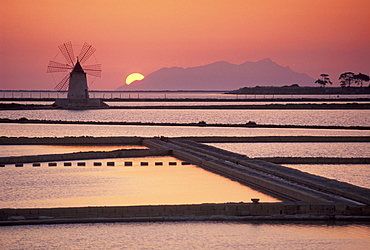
354, 174
298, 149
277, 117
21, 150
77, 186
187, 235
59, 130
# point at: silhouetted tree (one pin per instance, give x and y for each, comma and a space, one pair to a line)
323, 80
346, 79
359, 78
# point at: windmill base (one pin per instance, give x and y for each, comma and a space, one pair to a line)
80, 103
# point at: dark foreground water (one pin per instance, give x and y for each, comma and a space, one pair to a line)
186, 235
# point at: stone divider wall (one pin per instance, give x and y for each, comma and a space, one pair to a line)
318, 182
148, 211
265, 185
256, 179
292, 175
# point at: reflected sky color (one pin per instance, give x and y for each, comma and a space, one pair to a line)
19, 150
188, 235
225, 116
76, 186
298, 149
59, 130
354, 174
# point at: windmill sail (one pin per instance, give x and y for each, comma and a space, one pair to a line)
86, 51
94, 70
57, 67
67, 51
63, 84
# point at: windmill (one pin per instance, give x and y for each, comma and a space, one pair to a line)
75, 81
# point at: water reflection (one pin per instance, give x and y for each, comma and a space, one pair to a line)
354, 174
60, 130
91, 185
298, 149
279, 117
188, 235
21, 150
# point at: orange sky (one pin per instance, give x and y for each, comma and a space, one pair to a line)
313, 37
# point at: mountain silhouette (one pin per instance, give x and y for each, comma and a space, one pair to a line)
221, 76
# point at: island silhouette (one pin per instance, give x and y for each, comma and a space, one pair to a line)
221, 76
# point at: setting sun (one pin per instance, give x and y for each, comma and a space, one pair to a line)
134, 77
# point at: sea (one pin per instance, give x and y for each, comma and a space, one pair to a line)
60, 186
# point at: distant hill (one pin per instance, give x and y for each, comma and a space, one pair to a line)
295, 89
221, 76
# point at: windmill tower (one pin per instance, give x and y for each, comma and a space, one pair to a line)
76, 80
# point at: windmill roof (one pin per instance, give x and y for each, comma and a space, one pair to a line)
77, 68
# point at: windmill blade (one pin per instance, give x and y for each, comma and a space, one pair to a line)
57, 67
67, 51
94, 70
62, 85
86, 51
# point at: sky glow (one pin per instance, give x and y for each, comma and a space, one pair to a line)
313, 37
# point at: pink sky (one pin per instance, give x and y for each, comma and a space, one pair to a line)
313, 37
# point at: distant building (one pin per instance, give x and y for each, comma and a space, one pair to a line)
78, 94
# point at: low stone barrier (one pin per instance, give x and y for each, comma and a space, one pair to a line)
299, 185
10, 216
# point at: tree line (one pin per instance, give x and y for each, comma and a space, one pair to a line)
346, 79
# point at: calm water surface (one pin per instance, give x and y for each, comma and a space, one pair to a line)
354, 174
76, 186
278, 117
299, 149
59, 130
20, 150
187, 235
